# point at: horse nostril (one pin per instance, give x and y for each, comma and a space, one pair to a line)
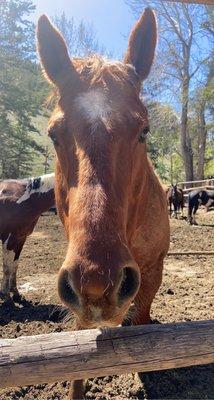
129, 284
66, 292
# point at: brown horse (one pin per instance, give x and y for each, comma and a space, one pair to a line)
21, 204
109, 199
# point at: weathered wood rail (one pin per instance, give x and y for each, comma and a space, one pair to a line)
199, 187
196, 184
90, 353
191, 253
208, 2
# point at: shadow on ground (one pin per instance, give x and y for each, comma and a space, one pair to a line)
183, 383
27, 311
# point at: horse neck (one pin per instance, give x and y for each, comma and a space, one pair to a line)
140, 199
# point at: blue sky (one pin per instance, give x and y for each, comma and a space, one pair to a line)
111, 19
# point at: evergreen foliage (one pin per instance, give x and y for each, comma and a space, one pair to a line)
22, 89
24, 146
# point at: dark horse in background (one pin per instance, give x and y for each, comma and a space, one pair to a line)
195, 199
175, 198
21, 204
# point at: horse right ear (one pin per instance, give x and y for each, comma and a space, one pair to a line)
142, 43
53, 52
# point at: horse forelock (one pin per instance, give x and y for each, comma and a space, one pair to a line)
110, 94
98, 69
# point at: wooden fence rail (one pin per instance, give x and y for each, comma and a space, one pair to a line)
196, 184
191, 253
208, 187
208, 2
90, 353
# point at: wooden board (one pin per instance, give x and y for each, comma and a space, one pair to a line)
99, 352
207, 2
191, 253
198, 188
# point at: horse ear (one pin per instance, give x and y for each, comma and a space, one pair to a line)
142, 43
52, 51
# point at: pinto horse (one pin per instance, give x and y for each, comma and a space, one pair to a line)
108, 196
175, 197
21, 204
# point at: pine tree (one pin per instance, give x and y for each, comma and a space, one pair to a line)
21, 88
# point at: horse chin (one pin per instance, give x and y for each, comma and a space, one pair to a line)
102, 324
97, 318
86, 323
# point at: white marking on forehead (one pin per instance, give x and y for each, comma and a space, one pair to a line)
93, 105
46, 184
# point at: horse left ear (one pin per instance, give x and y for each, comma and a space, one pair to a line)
53, 53
142, 43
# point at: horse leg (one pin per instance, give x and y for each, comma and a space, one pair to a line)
189, 217
194, 212
170, 208
175, 210
209, 203
77, 389
13, 284
11, 249
9, 265
182, 209
150, 283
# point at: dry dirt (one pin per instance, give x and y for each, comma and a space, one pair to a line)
185, 295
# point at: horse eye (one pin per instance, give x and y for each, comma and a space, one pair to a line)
143, 134
54, 138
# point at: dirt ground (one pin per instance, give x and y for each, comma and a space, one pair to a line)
186, 294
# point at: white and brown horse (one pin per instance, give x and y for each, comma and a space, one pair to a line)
108, 196
21, 204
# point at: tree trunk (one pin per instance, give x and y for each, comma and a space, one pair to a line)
202, 137
186, 147
46, 162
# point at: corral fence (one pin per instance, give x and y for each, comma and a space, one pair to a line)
187, 187
98, 352
208, 2
191, 185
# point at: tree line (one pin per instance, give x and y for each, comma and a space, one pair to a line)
184, 74
179, 93
24, 106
